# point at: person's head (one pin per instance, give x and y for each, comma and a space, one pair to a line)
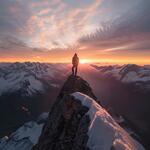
75, 54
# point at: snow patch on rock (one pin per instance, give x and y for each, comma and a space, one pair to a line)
25, 137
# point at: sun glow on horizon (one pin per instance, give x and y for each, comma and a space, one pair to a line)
84, 58
84, 61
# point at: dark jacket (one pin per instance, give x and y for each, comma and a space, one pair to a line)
75, 60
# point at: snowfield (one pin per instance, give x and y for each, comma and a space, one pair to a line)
104, 133
25, 137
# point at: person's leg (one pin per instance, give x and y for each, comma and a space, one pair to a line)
76, 70
72, 70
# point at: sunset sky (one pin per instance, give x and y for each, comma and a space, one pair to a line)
107, 31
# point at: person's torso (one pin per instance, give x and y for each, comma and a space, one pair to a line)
75, 60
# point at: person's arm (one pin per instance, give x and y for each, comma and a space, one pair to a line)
78, 60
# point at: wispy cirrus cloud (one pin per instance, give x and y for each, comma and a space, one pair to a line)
129, 31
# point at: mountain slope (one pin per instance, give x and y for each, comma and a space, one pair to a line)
25, 137
77, 122
26, 90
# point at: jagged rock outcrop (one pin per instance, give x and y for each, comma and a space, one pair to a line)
76, 84
67, 125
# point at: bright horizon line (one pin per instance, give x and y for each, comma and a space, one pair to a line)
84, 62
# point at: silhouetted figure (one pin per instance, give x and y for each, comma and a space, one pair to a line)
75, 62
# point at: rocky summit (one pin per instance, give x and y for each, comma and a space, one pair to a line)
78, 122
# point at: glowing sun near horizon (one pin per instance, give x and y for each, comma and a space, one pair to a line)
83, 61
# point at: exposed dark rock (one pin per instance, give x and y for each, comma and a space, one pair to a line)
67, 125
76, 84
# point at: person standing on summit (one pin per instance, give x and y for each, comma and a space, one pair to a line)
75, 62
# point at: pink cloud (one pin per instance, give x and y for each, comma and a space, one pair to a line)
44, 11
63, 24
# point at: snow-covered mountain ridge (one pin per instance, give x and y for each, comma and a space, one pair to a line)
104, 133
29, 78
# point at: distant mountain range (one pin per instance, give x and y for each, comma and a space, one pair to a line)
30, 78
130, 73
